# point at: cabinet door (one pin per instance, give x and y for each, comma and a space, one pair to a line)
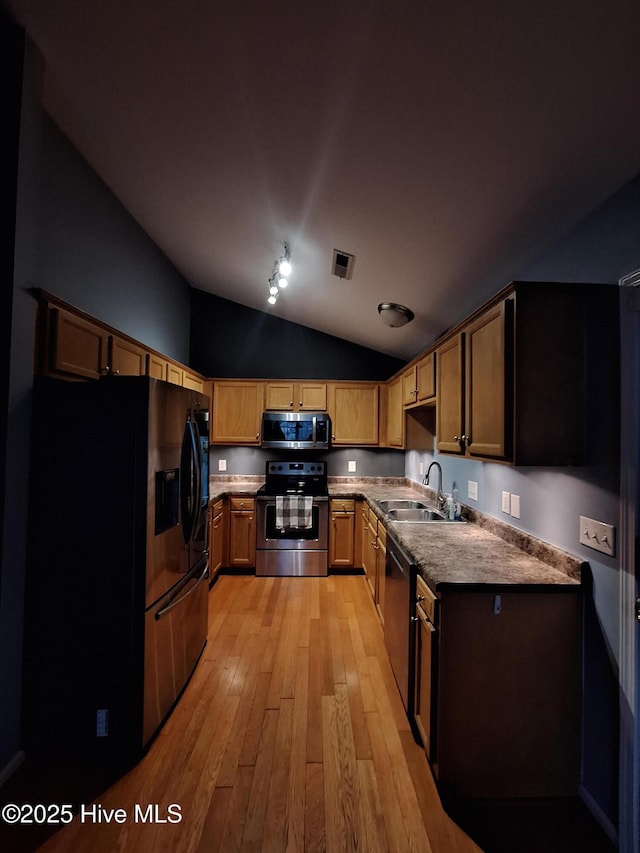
485, 424
395, 414
341, 534
78, 347
426, 378
381, 569
237, 410
449, 412
279, 396
126, 358
174, 373
242, 533
424, 680
192, 381
216, 539
354, 413
409, 386
312, 397
369, 546
156, 366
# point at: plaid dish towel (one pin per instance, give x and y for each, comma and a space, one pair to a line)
293, 511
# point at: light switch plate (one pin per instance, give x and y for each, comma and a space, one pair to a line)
472, 490
506, 502
598, 535
351, 466
222, 464
515, 506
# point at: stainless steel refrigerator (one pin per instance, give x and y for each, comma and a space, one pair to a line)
116, 597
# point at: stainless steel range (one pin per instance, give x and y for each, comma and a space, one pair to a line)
293, 520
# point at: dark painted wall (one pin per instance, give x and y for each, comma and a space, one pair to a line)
74, 239
93, 254
231, 340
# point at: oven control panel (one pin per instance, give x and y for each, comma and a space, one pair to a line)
299, 469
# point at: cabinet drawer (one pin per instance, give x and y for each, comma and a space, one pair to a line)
426, 598
216, 508
242, 504
342, 505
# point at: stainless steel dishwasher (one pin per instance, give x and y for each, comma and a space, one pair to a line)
398, 633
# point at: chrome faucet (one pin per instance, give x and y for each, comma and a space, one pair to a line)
440, 498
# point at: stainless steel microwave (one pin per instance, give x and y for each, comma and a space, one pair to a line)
296, 430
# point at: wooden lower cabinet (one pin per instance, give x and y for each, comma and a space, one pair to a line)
369, 558
216, 538
425, 621
381, 568
342, 529
242, 532
508, 693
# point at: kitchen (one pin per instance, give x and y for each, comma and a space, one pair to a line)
77, 209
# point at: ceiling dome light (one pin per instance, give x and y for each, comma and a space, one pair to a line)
273, 289
282, 281
395, 315
272, 299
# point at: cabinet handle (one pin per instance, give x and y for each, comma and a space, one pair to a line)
419, 597
291, 404
300, 403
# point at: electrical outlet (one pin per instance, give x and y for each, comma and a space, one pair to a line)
506, 502
598, 535
420, 469
515, 506
472, 490
351, 466
222, 464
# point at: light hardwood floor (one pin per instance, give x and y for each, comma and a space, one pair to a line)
291, 736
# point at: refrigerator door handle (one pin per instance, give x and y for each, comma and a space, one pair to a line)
190, 481
169, 607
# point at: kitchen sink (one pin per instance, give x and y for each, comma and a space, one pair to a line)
415, 515
387, 506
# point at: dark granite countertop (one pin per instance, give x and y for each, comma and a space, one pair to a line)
481, 553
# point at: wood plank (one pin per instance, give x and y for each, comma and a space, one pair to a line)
333, 766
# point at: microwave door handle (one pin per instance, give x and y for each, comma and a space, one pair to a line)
314, 436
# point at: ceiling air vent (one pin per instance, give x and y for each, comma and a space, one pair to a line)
342, 264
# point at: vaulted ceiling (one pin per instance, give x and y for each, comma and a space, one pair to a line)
445, 145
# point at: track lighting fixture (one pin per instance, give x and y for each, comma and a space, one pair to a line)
280, 276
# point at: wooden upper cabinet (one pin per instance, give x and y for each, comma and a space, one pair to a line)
74, 346
156, 366
395, 413
354, 413
513, 382
426, 378
486, 384
472, 388
192, 381
126, 358
410, 386
291, 396
449, 411
237, 412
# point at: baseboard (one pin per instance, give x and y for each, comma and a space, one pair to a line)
9, 769
599, 815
